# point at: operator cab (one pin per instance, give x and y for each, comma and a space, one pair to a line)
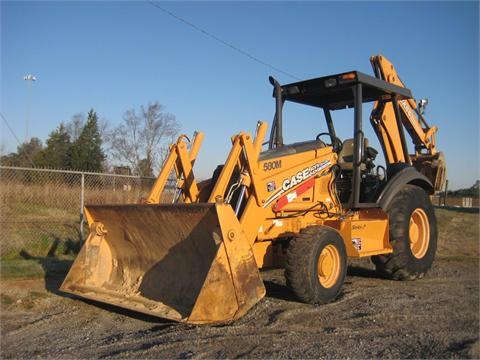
358, 180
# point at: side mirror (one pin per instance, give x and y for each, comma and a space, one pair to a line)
422, 105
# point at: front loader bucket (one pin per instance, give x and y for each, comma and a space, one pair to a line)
189, 263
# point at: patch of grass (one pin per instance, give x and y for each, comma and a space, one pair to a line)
6, 300
11, 254
41, 245
35, 268
21, 269
458, 223
458, 234
37, 211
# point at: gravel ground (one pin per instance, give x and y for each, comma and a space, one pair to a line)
435, 317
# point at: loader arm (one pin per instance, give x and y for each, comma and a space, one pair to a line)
181, 160
384, 118
190, 262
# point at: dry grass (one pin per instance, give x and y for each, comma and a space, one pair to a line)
66, 197
36, 216
454, 227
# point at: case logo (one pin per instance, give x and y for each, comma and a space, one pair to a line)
298, 178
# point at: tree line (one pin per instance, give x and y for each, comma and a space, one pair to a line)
473, 191
139, 143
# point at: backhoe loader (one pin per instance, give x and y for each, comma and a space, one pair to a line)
303, 206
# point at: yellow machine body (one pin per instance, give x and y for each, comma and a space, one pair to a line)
197, 260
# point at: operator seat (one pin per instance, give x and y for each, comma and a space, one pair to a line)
345, 157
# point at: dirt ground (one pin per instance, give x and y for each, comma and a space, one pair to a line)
435, 317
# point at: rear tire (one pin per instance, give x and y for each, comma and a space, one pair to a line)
316, 265
413, 236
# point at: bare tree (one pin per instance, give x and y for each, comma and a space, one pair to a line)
3, 149
75, 125
141, 139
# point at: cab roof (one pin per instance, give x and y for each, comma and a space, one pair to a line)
336, 91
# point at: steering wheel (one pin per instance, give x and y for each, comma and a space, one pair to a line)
337, 143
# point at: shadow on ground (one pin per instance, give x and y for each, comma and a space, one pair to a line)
278, 291
359, 271
55, 270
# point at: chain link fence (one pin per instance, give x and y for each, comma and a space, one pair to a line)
41, 210
455, 201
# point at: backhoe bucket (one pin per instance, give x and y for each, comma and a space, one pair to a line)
434, 168
190, 263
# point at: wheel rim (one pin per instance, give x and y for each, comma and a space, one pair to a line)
328, 266
419, 233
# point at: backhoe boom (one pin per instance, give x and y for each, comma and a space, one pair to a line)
427, 159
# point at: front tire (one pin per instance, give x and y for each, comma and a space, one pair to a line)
316, 265
413, 236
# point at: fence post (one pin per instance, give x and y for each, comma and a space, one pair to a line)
446, 191
82, 203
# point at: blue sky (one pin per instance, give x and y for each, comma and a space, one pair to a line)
115, 56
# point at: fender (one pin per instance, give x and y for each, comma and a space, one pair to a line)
399, 175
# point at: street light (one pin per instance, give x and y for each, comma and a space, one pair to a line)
29, 78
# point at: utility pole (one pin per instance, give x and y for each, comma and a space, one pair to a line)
29, 79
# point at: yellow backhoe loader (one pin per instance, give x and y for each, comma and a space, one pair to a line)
304, 206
